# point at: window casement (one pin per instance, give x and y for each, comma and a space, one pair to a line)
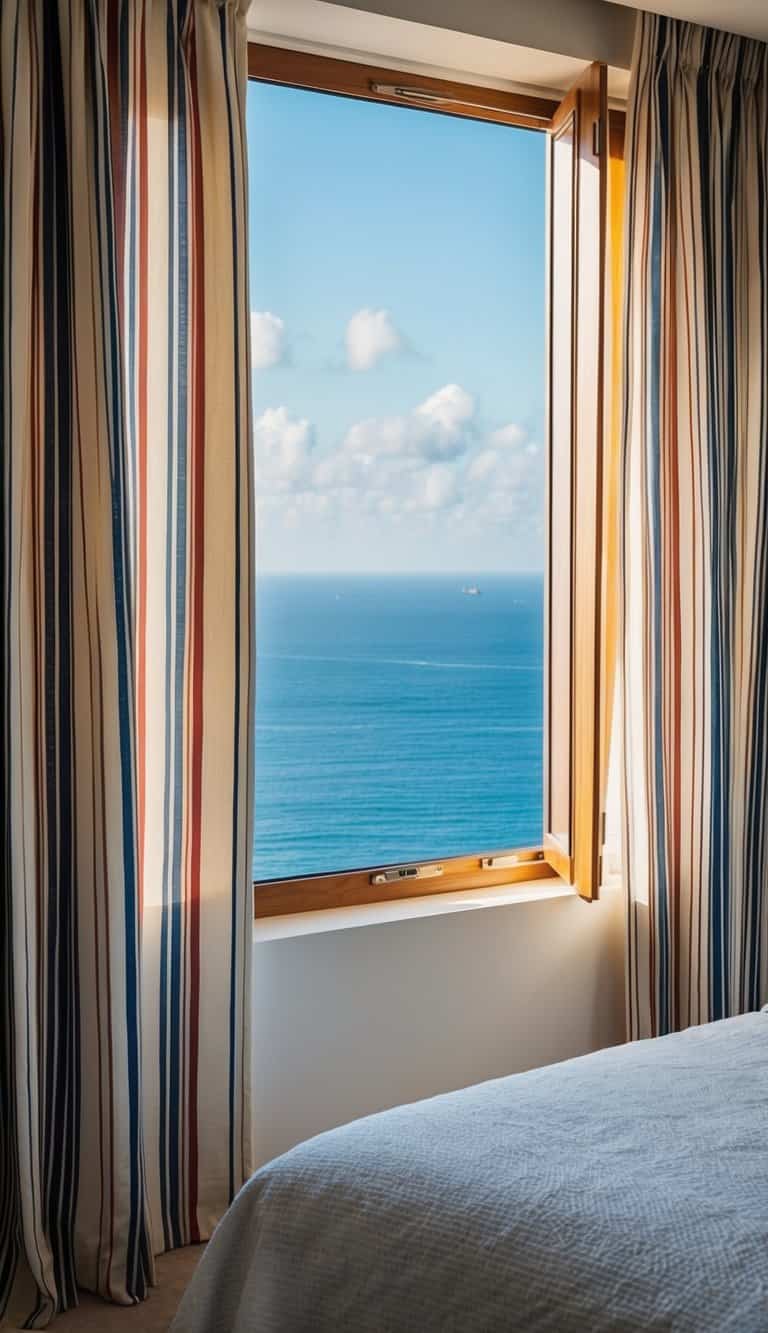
584, 220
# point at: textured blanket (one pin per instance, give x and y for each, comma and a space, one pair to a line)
624, 1190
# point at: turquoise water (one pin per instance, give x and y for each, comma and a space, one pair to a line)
397, 719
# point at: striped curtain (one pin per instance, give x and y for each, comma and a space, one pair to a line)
695, 527
126, 642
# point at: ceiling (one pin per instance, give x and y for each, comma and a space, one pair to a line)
749, 17
538, 46
362, 35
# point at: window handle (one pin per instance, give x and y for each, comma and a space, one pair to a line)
429, 97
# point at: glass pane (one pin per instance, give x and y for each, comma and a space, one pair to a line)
561, 336
398, 349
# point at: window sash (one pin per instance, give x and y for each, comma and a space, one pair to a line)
576, 674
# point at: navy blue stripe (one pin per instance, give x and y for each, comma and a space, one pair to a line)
62, 1032
234, 1052
176, 577
179, 613
751, 944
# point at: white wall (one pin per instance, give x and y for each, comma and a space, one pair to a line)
353, 1021
356, 1020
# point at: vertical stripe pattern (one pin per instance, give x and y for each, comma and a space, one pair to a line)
695, 527
126, 656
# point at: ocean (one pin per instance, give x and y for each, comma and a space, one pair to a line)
397, 719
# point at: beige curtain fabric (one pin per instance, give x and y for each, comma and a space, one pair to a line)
127, 640
695, 542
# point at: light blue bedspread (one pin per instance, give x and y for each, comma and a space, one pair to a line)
623, 1190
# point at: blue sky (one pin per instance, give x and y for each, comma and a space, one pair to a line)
397, 298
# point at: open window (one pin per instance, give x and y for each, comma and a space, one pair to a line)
556, 750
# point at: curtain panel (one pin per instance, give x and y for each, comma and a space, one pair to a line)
126, 651
695, 527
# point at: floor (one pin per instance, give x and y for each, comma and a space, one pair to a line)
174, 1272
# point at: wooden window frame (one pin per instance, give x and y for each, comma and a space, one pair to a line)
582, 120
278, 897
348, 78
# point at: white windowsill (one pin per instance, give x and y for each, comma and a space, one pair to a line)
406, 909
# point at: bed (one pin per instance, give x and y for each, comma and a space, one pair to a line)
627, 1189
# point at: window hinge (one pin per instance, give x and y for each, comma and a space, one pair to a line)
597, 136
602, 829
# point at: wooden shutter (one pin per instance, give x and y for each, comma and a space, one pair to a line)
575, 677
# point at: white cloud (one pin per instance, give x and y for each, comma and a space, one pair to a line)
370, 336
440, 488
267, 339
483, 465
505, 479
449, 409
507, 437
431, 462
379, 454
282, 447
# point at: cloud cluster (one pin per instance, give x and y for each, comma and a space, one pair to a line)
433, 473
282, 447
378, 451
434, 461
267, 339
370, 336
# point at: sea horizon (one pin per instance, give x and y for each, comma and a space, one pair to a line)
466, 574
398, 719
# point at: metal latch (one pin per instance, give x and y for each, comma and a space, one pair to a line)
508, 859
396, 873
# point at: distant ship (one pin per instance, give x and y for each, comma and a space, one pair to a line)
471, 591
